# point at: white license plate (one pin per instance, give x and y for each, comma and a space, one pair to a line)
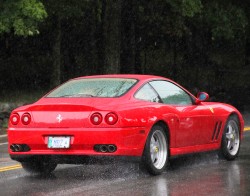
59, 142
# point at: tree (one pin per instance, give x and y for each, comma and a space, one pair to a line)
59, 13
153, 25
128, 36
21, 16
112, 38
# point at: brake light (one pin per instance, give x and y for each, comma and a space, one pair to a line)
111, 118
14, 119
26, 118
96, 118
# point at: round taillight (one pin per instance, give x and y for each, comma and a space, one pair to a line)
111, 118
96, 118
14, 119
26, 118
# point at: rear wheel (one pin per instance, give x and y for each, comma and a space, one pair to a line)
230, 144
155, 156
39, 166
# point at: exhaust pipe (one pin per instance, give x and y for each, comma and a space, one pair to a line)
18, 148
112, 148
12, 147
103, 148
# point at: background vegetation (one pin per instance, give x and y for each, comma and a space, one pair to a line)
203, 45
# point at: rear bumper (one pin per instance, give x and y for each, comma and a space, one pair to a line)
129, 141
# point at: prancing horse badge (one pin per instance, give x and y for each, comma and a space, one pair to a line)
59, 118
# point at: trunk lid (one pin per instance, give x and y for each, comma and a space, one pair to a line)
67, 112
61, 114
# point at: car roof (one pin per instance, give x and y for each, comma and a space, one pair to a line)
134, 76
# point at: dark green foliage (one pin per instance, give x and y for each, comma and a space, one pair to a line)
21, 16
226, 20
204, 45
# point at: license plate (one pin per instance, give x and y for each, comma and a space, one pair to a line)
59, 142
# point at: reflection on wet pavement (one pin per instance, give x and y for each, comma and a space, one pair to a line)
199, 174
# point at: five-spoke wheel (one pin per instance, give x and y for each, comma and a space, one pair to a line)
230, 144
155, 156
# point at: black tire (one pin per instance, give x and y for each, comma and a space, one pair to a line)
39, 167
155, 155
230, 143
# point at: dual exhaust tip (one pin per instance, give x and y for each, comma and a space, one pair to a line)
105, 148
19, 148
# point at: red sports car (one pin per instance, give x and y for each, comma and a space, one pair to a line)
149, 118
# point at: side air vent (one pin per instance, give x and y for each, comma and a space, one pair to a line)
217, 130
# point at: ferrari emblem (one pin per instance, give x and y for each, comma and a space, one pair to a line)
59, 118
211, 109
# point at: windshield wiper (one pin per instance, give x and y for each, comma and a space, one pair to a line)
78, 95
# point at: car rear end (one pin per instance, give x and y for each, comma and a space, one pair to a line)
78, 125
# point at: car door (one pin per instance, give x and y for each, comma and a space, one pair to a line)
194, 122
195, 127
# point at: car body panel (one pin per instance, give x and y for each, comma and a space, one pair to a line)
130, 141
193, 128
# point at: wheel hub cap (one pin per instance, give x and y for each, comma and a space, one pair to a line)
158, 149
233, 138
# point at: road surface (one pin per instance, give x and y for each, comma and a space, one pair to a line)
200, 174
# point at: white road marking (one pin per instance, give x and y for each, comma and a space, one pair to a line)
3, 135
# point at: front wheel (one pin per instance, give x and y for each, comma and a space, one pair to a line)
155, 155
39, 167
230, 144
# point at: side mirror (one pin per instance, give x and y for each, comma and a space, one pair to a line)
202, 96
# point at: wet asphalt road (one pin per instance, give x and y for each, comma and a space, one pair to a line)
200, 174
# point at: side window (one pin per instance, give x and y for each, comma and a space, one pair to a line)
171, 94
147, 93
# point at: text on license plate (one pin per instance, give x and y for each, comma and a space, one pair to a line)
59, 142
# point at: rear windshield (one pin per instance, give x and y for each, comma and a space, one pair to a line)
94, 87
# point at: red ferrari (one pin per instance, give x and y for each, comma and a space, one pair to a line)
149, 118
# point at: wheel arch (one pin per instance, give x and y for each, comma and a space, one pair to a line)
241, 126
234, 114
